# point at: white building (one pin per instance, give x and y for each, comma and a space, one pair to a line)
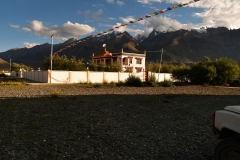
130, 62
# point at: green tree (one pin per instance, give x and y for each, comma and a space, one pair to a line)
16, 67
203, 72
63, 63
113, 67
181, 73
168, 68
93, 67
164, 68
214, 72
226, 69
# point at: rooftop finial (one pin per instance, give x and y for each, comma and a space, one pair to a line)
104, 45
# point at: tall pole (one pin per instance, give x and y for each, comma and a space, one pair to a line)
10, 65
160, 64
51, 59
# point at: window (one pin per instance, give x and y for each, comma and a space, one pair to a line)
138, 61
125, 61
130, 60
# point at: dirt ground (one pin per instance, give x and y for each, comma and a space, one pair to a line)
110, 123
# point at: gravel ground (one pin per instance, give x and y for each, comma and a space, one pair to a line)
110, 123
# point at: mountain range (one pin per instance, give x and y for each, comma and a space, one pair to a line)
181, 46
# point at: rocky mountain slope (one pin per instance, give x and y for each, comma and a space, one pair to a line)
184, 45
194, 45
4, 66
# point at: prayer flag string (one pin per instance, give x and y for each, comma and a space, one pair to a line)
123, 25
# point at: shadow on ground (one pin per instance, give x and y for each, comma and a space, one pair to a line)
109, 126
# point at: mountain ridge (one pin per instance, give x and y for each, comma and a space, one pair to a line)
191, 46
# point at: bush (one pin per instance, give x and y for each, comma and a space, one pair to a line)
112, 84
133, 81
120, 84
167, 83
152, 81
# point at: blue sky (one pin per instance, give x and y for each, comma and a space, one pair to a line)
26, 23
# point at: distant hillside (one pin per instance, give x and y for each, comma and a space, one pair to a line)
4, 66
191, 46
194, 45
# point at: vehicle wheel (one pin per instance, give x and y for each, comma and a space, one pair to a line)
235, 83
228, 149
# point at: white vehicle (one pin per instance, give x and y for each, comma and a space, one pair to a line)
226, 126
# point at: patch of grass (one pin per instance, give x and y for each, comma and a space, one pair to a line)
97, 85
206, 85
120, 84
11, 81
82, 82
112, 84
55, 94
167, 83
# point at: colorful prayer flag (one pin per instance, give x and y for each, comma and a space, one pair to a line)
133, 21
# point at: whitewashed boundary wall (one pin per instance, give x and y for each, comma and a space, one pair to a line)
39, 76
162, 76
86, 76
79, 77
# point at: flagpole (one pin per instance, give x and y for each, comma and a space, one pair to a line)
160, 65
51, 59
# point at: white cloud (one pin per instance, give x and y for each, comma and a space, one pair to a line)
131, 28
62, 33
14, 26
146, 26
148, 1
111, 18
164, 24
110, 1
26, 29
120, 3
126, 19
93, 15
216, 13
30, 45
219, 13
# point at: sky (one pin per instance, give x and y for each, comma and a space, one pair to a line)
27, 23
